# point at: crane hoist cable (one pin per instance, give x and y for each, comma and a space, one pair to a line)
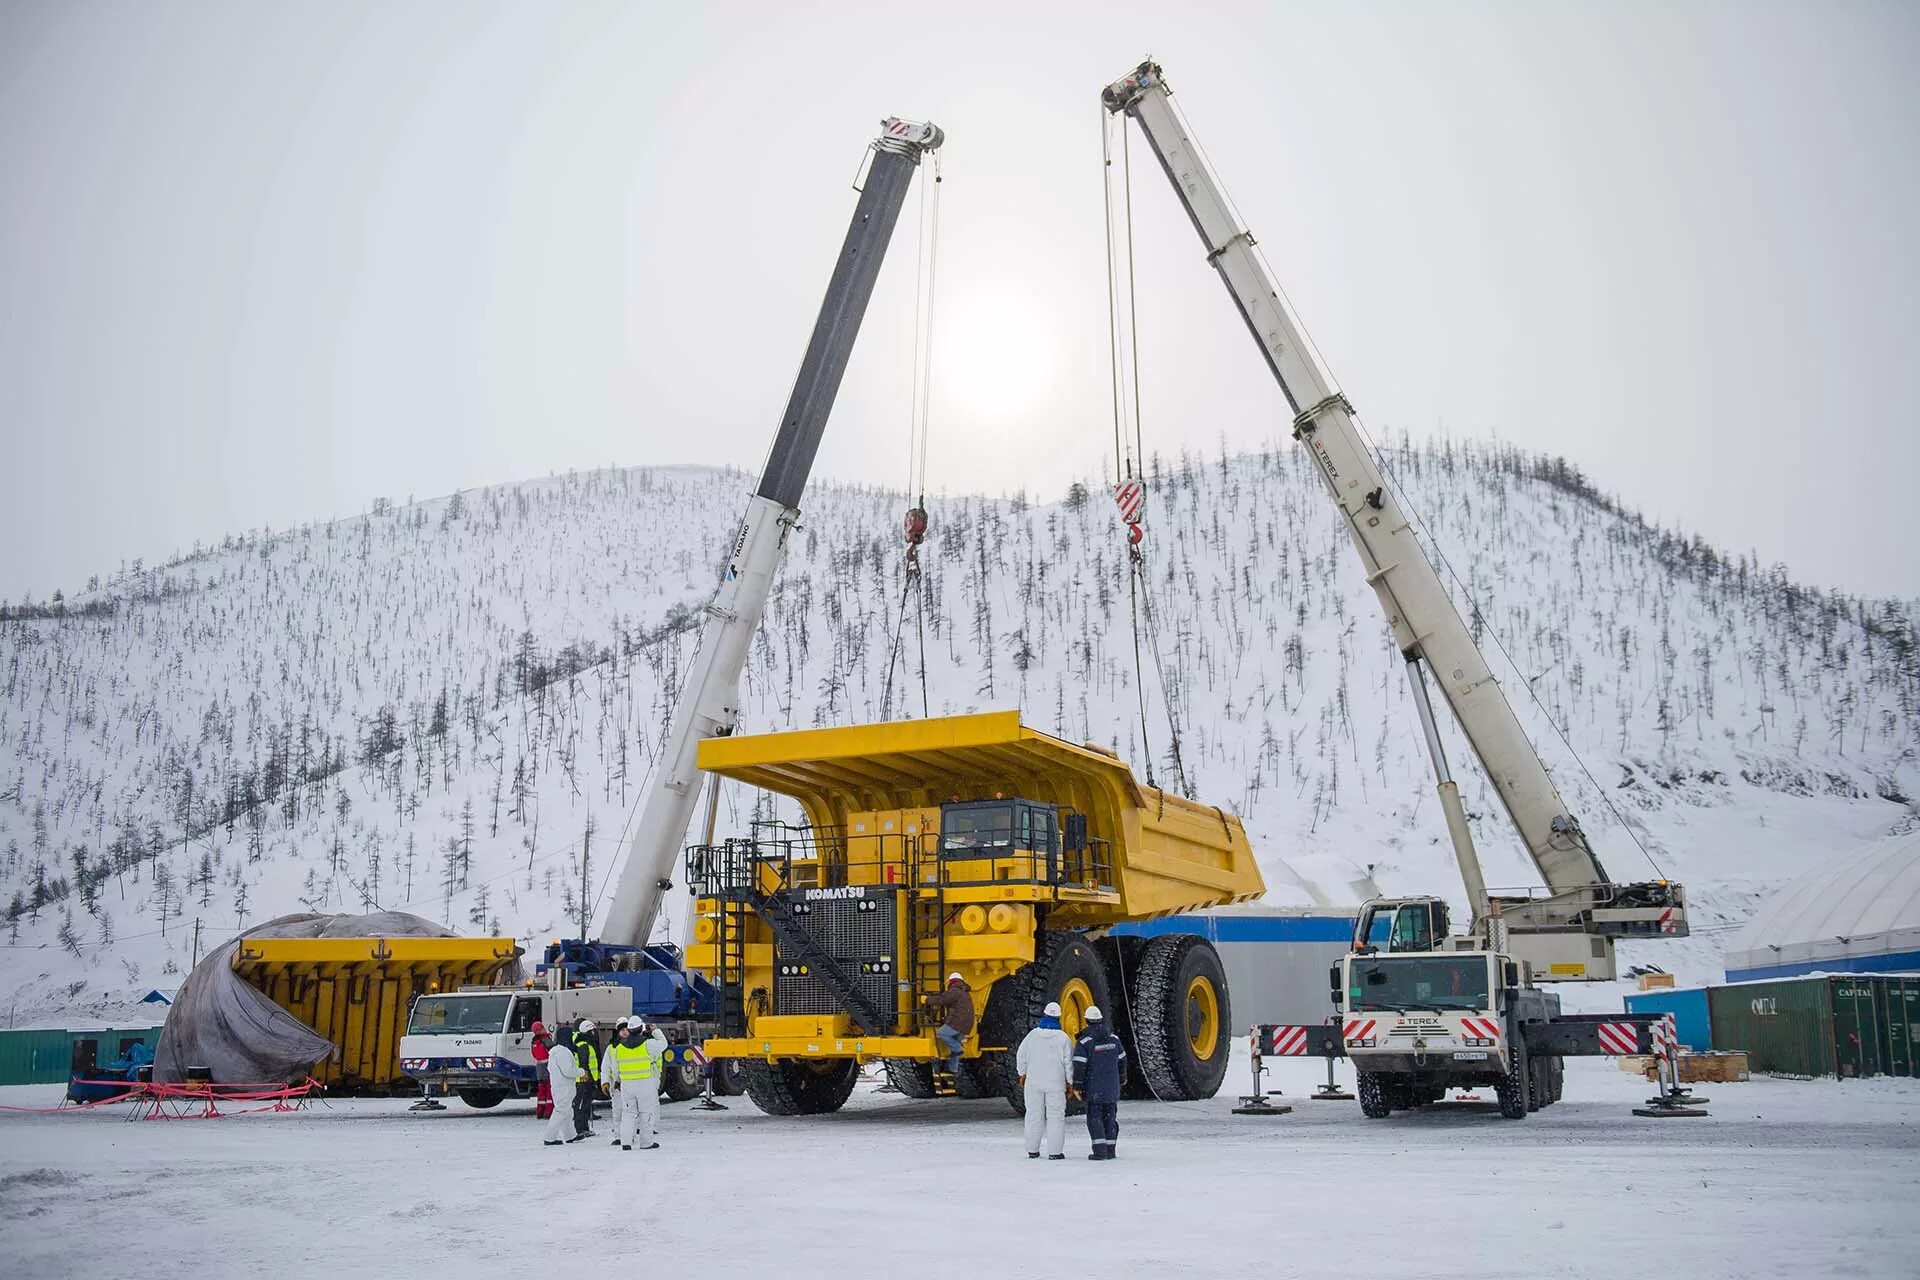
1130, 464
914, 526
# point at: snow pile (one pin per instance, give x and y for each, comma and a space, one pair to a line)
452, 707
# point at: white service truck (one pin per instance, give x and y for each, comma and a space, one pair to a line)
477, 1042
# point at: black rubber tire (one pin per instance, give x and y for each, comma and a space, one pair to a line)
793, 1087
482, 1099
680, 1079
1373, 1098
1168, 966
1558, 1084
1018, 1002
912, 1079
1515, 1085
1121, 957
729, 1077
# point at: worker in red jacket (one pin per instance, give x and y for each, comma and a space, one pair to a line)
543, 1100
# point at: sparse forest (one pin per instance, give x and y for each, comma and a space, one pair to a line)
452, 707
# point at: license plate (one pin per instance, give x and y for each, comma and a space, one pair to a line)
1475, 1056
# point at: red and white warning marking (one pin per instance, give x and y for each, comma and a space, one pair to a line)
1480, 1028
1290, 1042
1131, 496
1619, 1037
1667, 923
1358, 1029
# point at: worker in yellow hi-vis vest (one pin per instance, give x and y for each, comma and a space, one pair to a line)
636, 1058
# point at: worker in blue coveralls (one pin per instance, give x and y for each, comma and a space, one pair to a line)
1099, 1069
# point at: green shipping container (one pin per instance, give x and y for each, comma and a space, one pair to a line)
52, 1057
1856, 1027
1899, 1025
1785, 1027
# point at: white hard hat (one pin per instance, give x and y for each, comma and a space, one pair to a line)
1053, 1009
954, 977
1093, 1013
586, 1024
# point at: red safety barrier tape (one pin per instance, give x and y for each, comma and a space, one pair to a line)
162, 1100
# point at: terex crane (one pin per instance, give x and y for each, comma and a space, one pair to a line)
708, 705
1565, 933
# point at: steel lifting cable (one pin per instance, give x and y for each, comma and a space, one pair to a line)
913, 583
1129, 493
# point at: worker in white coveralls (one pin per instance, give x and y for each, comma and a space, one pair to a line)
564, 1067
636, 1058
1044, 1059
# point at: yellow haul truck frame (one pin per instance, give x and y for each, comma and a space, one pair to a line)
357, 993
970, 845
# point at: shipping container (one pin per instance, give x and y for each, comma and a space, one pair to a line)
54, 1056
1784, 1027
1688, 1005
1899, 1025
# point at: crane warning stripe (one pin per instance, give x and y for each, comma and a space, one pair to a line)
1290, 1041
1359, 1028
1619, 1037
1131, 496
1480, 1028
1667, 924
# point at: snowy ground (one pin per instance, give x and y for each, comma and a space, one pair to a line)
1784, 1179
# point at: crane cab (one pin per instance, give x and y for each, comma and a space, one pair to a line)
1401, 924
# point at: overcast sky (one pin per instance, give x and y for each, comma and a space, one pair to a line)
264, 262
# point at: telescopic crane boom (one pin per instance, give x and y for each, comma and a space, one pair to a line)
709, 703
1568, 932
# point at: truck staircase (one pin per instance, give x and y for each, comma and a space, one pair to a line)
730, 983
929, 906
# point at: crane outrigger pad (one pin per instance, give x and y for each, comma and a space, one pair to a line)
1168, 853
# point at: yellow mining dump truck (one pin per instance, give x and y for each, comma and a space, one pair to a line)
969, 845
357, 992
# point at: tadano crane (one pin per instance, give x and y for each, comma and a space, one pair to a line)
708, 705
1568, 932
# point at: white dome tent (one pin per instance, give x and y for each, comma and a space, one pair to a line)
1861, 915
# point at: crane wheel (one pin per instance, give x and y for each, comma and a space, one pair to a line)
799, 1087
680, 1077
1121, 956
1181, 1017
1515, 1085
912, 1079
728, 1079
1065, 968
1373, 1098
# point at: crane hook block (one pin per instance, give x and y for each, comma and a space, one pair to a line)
1134, 534
916, 526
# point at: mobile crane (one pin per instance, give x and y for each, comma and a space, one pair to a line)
1418, 1014
679, 1000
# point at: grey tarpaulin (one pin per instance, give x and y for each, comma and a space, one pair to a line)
219, 1022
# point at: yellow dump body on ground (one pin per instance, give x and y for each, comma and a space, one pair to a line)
357, 992
932, 847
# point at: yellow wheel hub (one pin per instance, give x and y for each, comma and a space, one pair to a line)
1203, 1018
1076, 997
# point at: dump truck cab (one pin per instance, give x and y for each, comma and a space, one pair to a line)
477, 1042
968, 845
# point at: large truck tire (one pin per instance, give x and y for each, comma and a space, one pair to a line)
798, 1087
482, 1099
1373, 1098
1066, 969
1515, 1086
1120, 954
1180, 1017
912, 1079
680, 1076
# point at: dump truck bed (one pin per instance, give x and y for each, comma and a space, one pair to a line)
357, 992
1168, 853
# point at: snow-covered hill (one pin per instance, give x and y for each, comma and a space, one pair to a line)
446, 707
